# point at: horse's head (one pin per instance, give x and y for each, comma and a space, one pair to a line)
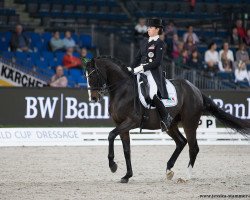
96, 81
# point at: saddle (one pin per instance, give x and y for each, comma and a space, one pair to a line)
143, 90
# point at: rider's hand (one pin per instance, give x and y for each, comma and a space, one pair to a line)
129, 69
138, 69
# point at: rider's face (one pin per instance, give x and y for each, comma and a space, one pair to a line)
152, 31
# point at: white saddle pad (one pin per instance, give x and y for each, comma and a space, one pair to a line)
172, 101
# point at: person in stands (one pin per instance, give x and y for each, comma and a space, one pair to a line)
84, 57
68, 41
19, 40
195, 61
170, 29
59, 80
240, 29
141, 28
226, 58
56, 43
212, 59
234, 37
70, 61
190, 32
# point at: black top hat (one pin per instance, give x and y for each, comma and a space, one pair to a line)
154, 22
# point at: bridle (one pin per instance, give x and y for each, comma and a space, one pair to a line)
103, 88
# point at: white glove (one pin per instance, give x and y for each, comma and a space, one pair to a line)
129, 69
138, 69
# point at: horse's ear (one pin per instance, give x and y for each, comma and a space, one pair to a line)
91, 63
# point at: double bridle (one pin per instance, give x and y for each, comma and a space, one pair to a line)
104, 88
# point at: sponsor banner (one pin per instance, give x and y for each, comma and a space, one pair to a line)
16, 77
51, 107
5, 83
236, 103
71, 107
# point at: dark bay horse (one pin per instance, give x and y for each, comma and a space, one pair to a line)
106, 73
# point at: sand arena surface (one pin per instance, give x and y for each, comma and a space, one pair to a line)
83, 173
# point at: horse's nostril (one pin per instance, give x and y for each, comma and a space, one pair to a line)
94, 99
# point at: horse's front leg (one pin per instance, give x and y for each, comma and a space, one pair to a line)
111, 139
127, 154
124, 127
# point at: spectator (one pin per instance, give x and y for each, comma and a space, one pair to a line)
19, 40
241, 74
234, 37
226, 63
170, 29
247, 38
226, 58
59, 80
181, 61
240, 29
56, 43
212, 59
162, 37
190, 45
83, 57
70, 61
190, 32
68, 41
195, 61
177, 46
141, 27
242, 55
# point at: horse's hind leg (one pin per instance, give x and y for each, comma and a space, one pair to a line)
193, 148
180, 142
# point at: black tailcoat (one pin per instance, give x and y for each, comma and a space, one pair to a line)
152, 54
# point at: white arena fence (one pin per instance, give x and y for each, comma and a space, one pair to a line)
99, 136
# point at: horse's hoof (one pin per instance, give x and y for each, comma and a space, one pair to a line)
170, 174
124, 180
113, 168
180, 180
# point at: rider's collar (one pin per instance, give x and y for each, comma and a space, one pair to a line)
153, 38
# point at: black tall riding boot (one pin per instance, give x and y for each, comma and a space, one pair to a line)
165, 116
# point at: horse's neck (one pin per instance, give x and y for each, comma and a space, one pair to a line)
115, 75
118, 81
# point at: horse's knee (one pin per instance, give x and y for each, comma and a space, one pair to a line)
183, 144
111, 137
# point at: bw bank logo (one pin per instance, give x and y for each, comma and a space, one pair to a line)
68, 108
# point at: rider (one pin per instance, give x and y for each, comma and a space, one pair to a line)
149, 62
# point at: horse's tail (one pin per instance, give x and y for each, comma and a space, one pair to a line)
242, 126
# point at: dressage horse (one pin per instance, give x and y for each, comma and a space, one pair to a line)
106, 74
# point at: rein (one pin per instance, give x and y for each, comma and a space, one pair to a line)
104, 89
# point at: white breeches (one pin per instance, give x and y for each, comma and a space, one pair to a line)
152, 84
